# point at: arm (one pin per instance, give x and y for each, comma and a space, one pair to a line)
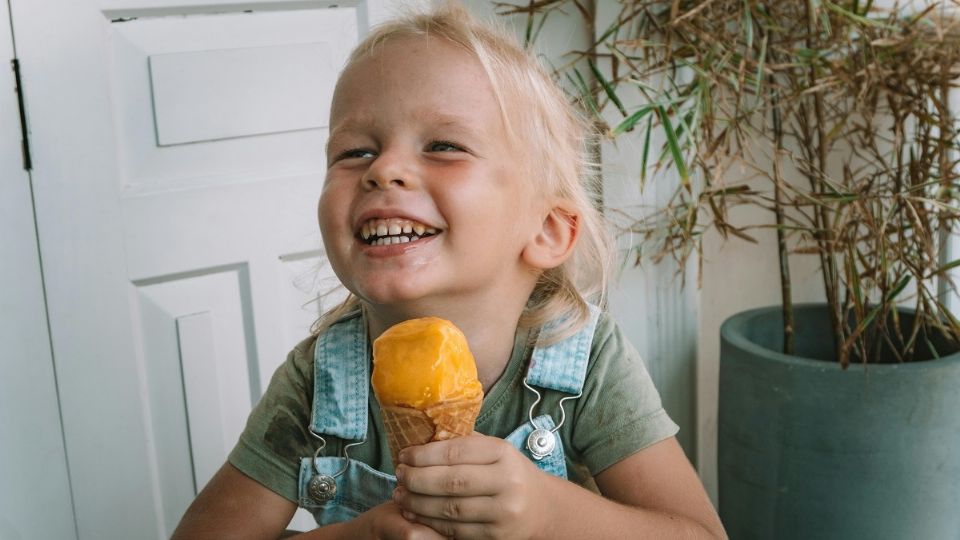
653, 493
481, 487
234, 506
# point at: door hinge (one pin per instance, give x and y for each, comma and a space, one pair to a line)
24, 132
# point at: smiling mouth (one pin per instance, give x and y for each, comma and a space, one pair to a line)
383, 232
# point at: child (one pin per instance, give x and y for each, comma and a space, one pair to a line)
454, 190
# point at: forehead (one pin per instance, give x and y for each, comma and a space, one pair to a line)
412, 51
438, 77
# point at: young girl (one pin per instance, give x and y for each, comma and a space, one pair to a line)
454, 189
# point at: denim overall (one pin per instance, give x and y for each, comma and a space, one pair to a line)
337, 488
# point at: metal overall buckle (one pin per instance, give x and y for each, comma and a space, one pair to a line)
542, 442
322, 488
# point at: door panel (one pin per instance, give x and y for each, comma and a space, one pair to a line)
204, 86
213, 95
179, 156
34, 488
198, 366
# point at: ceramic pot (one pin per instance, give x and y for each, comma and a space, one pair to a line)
808, 450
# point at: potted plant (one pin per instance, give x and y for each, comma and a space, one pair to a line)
836, 420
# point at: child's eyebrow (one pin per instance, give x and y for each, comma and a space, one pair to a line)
461, 125
446, 119
350, 126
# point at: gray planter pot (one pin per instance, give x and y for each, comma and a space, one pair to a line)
807, 450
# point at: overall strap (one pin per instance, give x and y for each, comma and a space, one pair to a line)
341, 380
562, 366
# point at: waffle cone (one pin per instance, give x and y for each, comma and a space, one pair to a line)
408, 427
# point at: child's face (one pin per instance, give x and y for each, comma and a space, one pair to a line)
417, 140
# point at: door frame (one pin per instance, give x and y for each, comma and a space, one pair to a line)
35, 495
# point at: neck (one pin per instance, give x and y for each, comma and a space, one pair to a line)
490, 328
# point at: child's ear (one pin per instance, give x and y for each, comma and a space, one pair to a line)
553, 243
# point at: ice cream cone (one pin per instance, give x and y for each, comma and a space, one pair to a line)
426, 381
406, 426
454, 418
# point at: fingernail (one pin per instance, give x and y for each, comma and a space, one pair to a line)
409, 515
400, 472
402, 456
396, 495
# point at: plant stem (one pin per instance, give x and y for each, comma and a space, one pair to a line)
947, 176
825, 239
786, 296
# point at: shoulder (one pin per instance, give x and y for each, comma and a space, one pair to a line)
302, 353
297, 370
302, 356
610, 344
616, 373
594, 344
606, 328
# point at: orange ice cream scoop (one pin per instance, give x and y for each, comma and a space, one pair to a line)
425, 379
423, 362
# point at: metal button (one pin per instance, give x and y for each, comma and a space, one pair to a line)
322, 488
541, 443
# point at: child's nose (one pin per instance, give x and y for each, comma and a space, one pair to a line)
391, 169
381, 182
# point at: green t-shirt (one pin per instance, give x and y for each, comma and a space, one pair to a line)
618, 414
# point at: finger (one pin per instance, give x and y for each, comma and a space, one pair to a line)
414, 531
396, 527
419, 531
474, 449
462, 509
460, 531
455, 480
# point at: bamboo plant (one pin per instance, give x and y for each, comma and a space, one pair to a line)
833, 115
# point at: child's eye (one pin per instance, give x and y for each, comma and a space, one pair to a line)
358, 153
444, 146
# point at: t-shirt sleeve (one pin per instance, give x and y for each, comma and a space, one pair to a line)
620, 412
277, 432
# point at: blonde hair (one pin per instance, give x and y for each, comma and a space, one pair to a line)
538, 113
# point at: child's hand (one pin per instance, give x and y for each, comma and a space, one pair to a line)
472, 487
384, 522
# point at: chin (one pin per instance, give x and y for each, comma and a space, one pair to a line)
392, 295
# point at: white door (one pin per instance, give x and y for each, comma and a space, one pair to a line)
178, 156
34, 490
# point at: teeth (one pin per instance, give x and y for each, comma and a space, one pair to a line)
383, 232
